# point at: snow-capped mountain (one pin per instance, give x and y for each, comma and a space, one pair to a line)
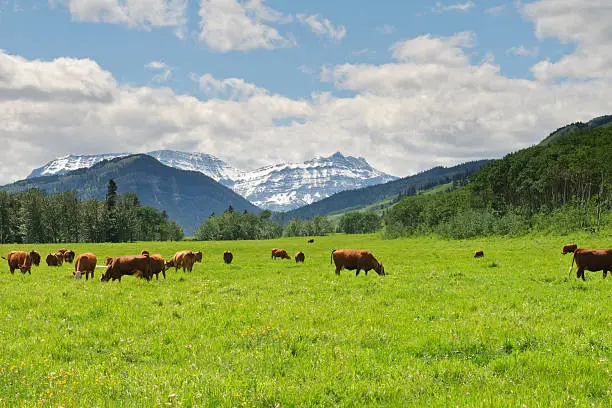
210, 165
283, 187
279, 187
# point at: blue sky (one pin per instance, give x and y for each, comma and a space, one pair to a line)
406, 84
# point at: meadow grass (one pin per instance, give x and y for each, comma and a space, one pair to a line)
441, 329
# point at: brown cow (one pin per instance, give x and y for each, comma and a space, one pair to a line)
299, 257
356, 259
158, 264
592, 260
22, 260
56, 259
85, 263
62, 250
228, 257
198, 256
569, 248
280, 253
479, 254
139, 265
182, 259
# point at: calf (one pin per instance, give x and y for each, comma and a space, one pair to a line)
591, 260
228, 257
299, 257
182, 259
85, 263
139, 265
280, 253
352, 259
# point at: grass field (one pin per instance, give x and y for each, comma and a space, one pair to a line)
442, 329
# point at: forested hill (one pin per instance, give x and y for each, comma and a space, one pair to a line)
559, 187
602, 121
189, 197
359, 198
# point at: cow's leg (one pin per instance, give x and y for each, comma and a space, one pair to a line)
92, 273
357, 273
338, 270
87, 275
604, 274
580, 273
164, 273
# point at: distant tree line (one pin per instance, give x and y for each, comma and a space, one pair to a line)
317, 226
33, 216
232, 225
559, 187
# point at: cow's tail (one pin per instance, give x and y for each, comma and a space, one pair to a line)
572, 265
331, 258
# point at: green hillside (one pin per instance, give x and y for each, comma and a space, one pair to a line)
188, 197
602, 121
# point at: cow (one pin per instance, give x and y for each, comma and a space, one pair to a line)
158, 264
592, 260
62, 250
311, 241
273, 252
22, 260
139, 265
182, 259
479, 254
299, 257
56, 259
356, 259
145, 252
280, 253
569, 248
228, 257
85, 264
198, 256
68, 255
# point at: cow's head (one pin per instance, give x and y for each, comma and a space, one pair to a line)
144, 252
35, 257
107, 274
69, 255
24, 268
380, 269
109, 260
198, 256
569, 248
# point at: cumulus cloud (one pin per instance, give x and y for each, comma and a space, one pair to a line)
581, 22
228, 25
143, 14
443, 8
428, 105
495, 11
165, 71
523, 51
322, 27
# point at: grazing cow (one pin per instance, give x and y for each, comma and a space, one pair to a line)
158, 264
280, 253
68, 255
56, 259
22, 260
569, 248
299, 257
356, 259
273, 252
479, 254
139, 265
198, 256
311, 241
228, 257
592, 260
182, 259
85, 264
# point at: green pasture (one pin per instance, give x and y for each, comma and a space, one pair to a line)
441, 329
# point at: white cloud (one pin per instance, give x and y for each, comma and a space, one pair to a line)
166, 70
442, 8
322, 27
523, 51
585, 23
495, 11
142, 14
430, 105
229, 25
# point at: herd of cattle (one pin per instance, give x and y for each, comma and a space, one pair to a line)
146, 265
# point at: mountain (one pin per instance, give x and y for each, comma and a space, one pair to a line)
362, 197
280, 187
207, 164
284, 187
189, 197
599, 122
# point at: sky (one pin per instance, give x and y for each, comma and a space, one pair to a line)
408, 85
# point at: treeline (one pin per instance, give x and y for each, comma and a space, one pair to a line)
232, 225
35, 217
558, 187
